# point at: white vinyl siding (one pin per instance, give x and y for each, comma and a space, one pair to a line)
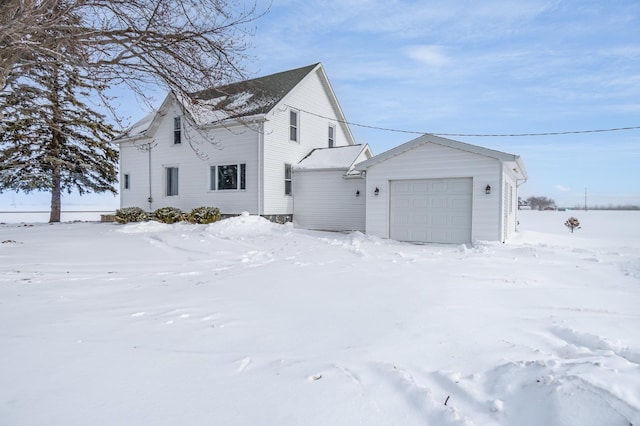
329, 202
234, 144
133, 158
311, 94
263, 146
509, 207
432, 161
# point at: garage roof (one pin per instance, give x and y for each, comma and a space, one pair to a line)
427, 138
341, 157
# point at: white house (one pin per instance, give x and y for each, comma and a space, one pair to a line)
279, 146
237, 160
433, 189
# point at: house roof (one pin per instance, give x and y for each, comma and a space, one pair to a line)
342, 158
255, 96
244, 99
142, 125
428, 138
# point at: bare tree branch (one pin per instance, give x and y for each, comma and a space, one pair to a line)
184, 45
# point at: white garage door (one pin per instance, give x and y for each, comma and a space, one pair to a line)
431, 210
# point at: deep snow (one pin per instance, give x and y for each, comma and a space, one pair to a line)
247, 322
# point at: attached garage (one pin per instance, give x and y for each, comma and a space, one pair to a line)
438, 190
433, 210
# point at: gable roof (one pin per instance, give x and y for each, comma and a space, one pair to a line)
249, 98
255, 96
338, 158
428, 138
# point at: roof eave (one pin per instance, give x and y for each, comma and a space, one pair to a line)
428, 138
235, 121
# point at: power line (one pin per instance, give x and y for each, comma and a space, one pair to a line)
480, 135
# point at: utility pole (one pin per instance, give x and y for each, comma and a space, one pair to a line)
585, 199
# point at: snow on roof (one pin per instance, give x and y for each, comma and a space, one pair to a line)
243, 104
233, 101
342, 157
141, 126
245, 98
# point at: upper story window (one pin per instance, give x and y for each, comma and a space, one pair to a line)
171, 181
177, 130
332, 135
230, 176
287, 180
127, 181
294, 125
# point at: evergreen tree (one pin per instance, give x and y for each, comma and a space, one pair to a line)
51, 139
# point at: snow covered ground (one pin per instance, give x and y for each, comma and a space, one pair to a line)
244, 322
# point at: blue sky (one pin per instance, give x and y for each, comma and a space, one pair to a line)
475, 67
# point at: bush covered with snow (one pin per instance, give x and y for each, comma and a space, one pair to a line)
169, 215
204, 215
131, 214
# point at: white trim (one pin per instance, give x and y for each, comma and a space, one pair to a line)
177, 130
295, 126
213, 178
289, 179
165, 168
331, 135
424, 139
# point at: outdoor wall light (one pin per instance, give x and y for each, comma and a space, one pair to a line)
357, 193
487, 190
376, 192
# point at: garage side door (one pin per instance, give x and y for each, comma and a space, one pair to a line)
431, 210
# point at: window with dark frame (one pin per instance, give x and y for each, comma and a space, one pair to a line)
332, 132
293, 125
171, 181
126, 181
287, 180
177, 130
225, 177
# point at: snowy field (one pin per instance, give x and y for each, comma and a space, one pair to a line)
244, 322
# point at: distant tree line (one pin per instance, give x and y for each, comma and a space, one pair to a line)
609, 207
542, 203
537, 203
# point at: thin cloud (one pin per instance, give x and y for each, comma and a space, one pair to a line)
428, 55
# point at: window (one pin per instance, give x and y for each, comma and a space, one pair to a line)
287, 179
177, 130
332, 132
231, 176
293, 125
171, 181
126, 181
